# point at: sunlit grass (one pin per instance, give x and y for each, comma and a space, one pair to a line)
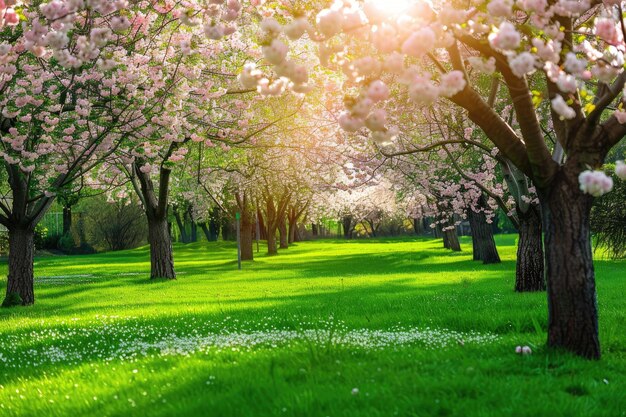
104, 340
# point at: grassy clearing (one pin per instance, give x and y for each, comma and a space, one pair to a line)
419, 331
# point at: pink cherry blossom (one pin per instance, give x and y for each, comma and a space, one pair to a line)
595, 183
329, 22
419, 43
522, 64
505, 37
452, 83
562, 109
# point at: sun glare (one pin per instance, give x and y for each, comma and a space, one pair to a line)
395, 6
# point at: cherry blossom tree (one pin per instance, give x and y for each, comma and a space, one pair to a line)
57, 120
185, 67
571, 50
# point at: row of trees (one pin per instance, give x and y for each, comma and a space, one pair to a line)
170, 103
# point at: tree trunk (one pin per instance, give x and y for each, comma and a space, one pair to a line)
418, 226
194, 232
529, 273
572, 304
271, 242
297, 234
283, 235
193, 235
450, 237
314, 230
228, 230
161, 254
484, 245
67, 220
181, 227
214, 225
205, 230
346, 222
20, 280
373, 229
293, 229
247, 252
262, 226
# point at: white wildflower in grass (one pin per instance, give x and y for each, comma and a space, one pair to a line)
113, 338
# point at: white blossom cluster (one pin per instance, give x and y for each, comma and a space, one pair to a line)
595, 183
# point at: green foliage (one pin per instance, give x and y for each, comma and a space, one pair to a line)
608, 221
67, 243
41, 237
4, 242
504, 223
114, 226
98, 303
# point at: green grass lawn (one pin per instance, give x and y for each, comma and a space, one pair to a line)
327, 328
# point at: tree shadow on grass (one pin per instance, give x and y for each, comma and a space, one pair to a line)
487, 304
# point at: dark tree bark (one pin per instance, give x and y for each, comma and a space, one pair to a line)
418, 226
276, 204
193, 227
247, 252
572, 305
293, 227
205, 231
293, 232
246, 225
262, 226
155, 204
194, 232
346, 222
283, 235
183, 238
294, 213
20, 219
161, 254
228, 229
67, 219
451, 240
272, 248
314, 230
20, 280
484, 245
373, 227
529, 272
214, 225
297, 234
270, 213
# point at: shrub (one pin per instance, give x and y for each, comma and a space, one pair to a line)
114, 226
42, 239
